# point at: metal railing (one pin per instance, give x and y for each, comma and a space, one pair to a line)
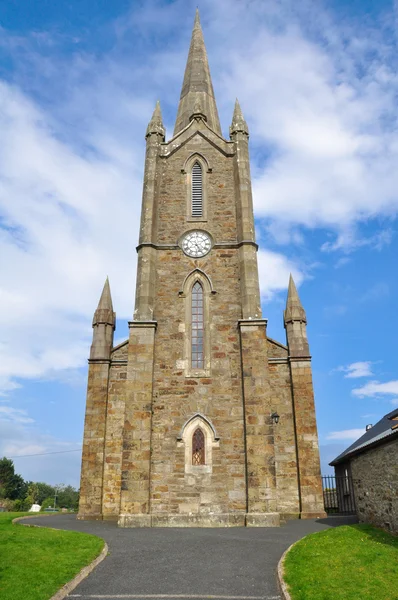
338, 495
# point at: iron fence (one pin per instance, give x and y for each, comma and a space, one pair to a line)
338, 495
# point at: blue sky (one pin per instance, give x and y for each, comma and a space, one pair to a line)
78, 82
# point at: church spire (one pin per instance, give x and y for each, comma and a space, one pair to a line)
197, 88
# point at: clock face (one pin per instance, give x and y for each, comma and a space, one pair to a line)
196, 244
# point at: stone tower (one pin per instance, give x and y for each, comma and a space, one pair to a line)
180, 427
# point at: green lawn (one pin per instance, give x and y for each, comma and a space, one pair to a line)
35, 563
355, 562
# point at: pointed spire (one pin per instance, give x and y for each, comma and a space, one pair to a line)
106, 298
155, 125
104, 312
238, 124
294, 309
197, 84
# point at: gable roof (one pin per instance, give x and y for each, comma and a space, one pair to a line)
380, 433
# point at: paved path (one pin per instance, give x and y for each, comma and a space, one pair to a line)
223, 564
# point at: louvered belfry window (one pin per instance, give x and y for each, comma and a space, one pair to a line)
197, 190
197, 327
198, 447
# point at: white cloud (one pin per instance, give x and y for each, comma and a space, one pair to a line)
376, 389
16, 415
21, 440
357, 369
346, 434
274, 271
320, 101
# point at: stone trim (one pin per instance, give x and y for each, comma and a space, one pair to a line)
183, 294
211, 441
188, 166
252, 322
216, 246
169, 148
192, 157
236, 519
150, 324
119, 346
278, 360
99, 361
299, 358
119, 361
204, 280
277, 343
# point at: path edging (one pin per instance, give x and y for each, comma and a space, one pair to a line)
280, 572
85, 571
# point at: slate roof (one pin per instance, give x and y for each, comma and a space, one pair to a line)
378, 434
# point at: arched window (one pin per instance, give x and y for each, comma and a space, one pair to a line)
198, 447
197, 361
197, 191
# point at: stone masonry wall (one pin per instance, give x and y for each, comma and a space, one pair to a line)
375, 479
217, 396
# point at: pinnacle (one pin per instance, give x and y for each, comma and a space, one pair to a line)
106, 299
292, 294
155, 125
197, 84
237, 112
157, 113
238, 121
294, 309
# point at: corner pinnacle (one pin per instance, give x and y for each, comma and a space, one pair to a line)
106, 298
155, 125
294, 309
238, 121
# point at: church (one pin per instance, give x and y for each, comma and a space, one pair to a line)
199, 419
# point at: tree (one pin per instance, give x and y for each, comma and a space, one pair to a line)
12, 486
44, 491
47, 503
67, 496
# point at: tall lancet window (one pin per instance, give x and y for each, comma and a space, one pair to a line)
198, 447
197, 191
197, 327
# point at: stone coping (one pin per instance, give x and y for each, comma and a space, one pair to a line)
83, 573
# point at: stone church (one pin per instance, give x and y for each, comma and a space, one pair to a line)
199, 418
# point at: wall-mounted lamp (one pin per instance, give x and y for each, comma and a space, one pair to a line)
275, 418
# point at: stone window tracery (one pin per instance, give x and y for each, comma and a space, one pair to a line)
196, 190
198, 447
197, 359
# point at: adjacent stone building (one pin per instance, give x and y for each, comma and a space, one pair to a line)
182, 418
368, 472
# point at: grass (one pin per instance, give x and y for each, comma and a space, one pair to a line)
35, 563
357, 562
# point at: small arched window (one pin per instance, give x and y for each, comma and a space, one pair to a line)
197, 361
198, 447
197, 191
